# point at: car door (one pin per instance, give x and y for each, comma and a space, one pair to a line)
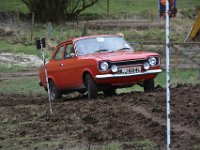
70, 72
56, 65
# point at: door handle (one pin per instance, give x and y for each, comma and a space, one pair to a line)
61, 65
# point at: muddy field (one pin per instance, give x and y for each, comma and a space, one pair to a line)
135, 121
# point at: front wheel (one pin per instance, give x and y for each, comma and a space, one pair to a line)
148, 85
109, 92
55, 93
91, 86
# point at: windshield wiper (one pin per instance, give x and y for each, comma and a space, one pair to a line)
124, 48
101, 50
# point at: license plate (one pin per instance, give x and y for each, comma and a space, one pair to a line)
130, 70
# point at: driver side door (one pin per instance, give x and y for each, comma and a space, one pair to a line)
68, 69
55, 66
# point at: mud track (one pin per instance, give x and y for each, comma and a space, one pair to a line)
78, 122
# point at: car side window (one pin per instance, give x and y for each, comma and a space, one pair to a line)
59, 53
69, 52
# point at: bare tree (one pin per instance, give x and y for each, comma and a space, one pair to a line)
55, 10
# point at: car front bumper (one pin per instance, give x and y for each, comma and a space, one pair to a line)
105, 76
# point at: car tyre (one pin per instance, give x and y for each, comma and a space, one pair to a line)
91, 87
109, 92
148, 85
55, 93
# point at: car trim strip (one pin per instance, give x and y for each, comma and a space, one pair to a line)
104, 76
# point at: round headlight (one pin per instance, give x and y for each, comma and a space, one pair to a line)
104, 66
114, 68
152, 61
146, 66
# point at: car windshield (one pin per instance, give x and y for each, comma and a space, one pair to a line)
101, 44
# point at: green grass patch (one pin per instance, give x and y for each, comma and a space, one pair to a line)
136, 7
21, 143
13, 6
118, 7
178, 76
145, 144
26, 86
12, 68
113, 146
48, 143
130, 89
137, 144
8, 47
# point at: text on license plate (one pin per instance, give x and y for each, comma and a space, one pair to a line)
130, 70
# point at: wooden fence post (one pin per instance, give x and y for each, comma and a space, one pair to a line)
149, 20
18, 19
32, 26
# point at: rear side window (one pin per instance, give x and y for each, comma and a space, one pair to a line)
59, 53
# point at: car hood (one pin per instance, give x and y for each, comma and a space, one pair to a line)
121, 55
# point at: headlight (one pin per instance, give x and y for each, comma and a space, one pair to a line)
114, 68
146, 66
104, 66
152, 61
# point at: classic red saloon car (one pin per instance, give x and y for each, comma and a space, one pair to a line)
98, 63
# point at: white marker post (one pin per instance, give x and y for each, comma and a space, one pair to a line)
167, 76
40, 44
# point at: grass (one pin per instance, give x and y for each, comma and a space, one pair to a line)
7, 47
135, 7
178, 76
113, 146
145, 144
120, 7
5, 68
34, 142
13, 6
25, 86
140, 144
50, 143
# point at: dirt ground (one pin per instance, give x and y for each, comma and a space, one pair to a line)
79, 123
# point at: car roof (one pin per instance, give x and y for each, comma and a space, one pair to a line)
86, 37
93, 36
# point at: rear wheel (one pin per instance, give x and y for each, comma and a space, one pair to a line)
55, 93
148, 85
91, 86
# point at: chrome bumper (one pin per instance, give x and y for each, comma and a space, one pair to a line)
104, 76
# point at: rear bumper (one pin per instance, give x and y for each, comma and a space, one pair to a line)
106, 76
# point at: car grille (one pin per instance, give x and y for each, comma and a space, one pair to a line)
129, 63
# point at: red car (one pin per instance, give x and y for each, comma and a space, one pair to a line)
98, 63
